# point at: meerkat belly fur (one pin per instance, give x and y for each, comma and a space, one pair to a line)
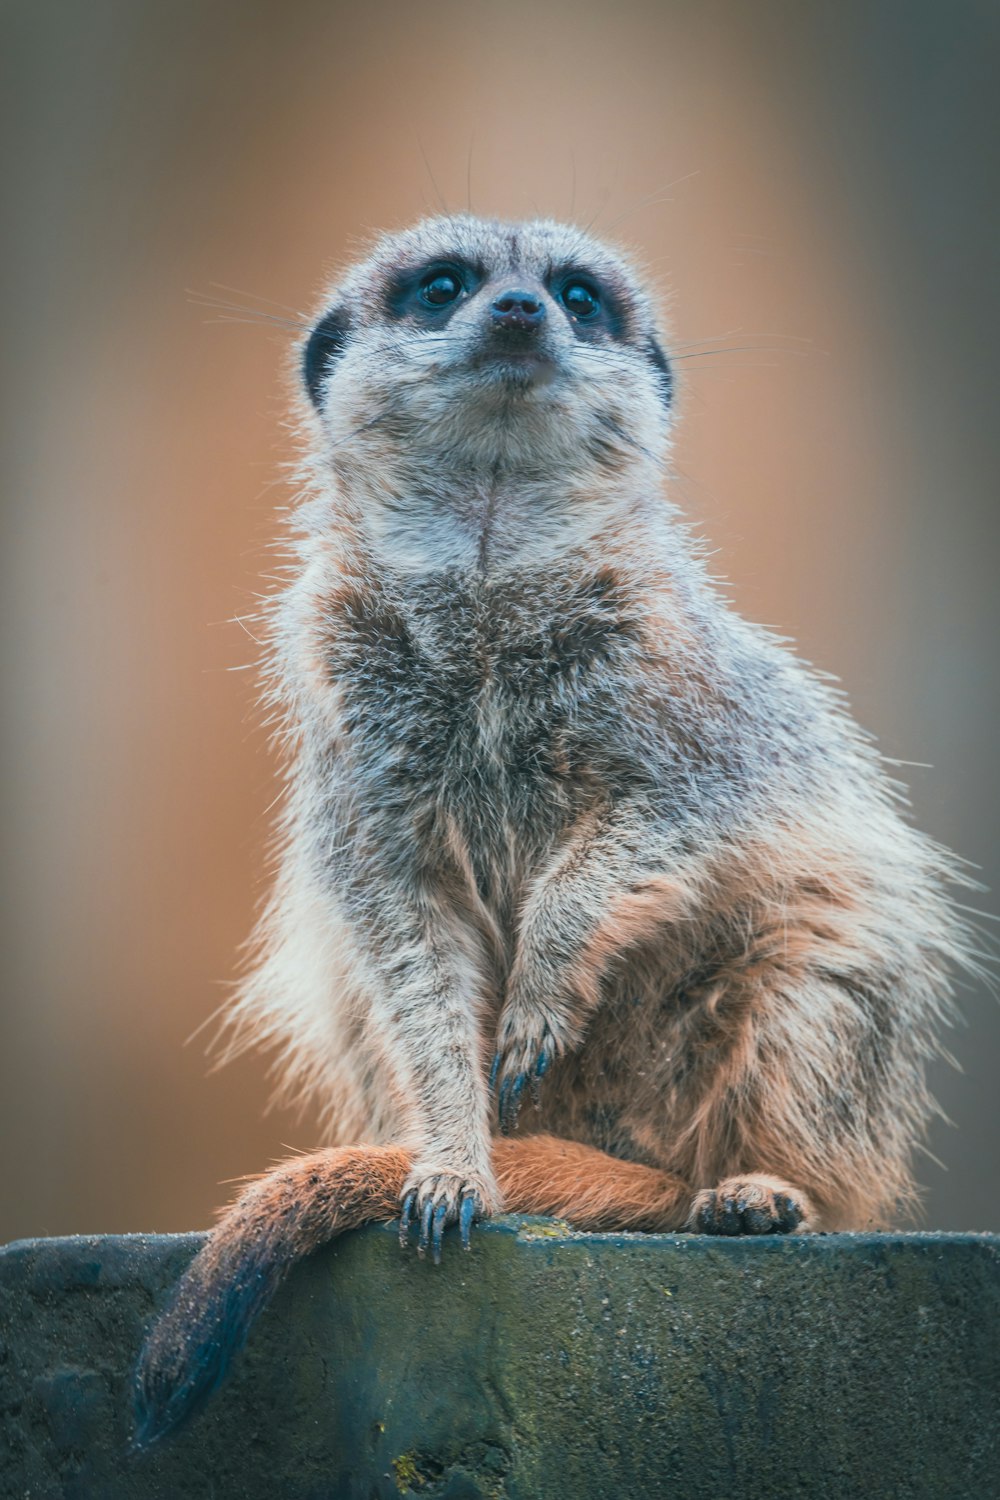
592, 898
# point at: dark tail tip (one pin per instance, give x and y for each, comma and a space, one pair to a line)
190, 1347
165, 1398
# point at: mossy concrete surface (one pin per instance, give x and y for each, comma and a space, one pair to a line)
542, 1364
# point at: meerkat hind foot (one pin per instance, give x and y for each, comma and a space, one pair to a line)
749, 1205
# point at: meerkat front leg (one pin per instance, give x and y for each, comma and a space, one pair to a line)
427, 995
613, 882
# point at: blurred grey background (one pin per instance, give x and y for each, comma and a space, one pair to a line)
814, 188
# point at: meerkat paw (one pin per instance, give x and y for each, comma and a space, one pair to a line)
434, 1199
528, 1042
750, 1205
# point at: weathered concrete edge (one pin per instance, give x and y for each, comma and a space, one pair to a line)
110, 1260
532, 1229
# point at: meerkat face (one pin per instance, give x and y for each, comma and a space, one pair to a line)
466, 341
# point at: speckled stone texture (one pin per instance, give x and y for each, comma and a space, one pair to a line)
543, 1364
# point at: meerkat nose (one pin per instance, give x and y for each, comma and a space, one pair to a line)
517, 309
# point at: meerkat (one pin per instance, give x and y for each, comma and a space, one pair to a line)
592, 898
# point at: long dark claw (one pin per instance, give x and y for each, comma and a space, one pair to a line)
510, 1099
425, 1226
466, 1215
439, 1217
404, 1219
535, 1081
494, 1070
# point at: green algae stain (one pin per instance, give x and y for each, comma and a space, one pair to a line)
555, 1229
408, 1476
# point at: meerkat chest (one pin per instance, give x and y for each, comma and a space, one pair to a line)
509, 693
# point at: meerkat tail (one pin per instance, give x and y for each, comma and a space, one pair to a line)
281, 1217
541, 1174
289, 1212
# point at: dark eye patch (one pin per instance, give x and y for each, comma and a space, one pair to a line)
571, 286
612, 318
326, 343
408, 297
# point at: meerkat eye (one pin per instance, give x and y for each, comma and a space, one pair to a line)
580, 300
440, 288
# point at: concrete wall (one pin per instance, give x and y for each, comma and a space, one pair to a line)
544, 1364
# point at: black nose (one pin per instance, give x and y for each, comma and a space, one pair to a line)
517, 310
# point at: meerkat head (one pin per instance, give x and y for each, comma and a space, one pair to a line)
467, 342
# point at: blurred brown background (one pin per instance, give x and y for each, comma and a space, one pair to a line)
834, 209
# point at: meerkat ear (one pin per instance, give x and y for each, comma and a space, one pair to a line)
324, 345
663, 368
